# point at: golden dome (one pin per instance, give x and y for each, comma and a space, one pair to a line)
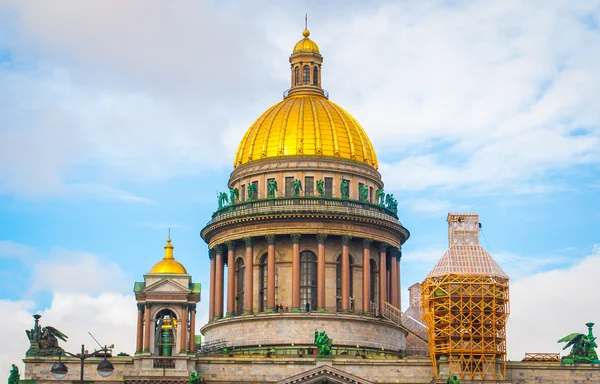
168, 264
306, 124
306, 44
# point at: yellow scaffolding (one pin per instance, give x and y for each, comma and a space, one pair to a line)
466, 305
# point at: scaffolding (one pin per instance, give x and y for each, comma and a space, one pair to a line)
415, 312
466, 305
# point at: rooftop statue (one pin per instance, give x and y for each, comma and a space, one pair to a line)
195, 378
252, 191
380, 196
223, 200
453, 380
320, 188
234, 195
297, 187
345, 188
272, 187
14, 375
44, 340
363, 193
584, 347
324, 344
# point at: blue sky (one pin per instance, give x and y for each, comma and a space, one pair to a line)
120, 120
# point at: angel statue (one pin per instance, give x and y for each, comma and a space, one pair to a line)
14, 375
584, 347
234, 195
380, 196
363, 193
297, 187
345, 188
195, 378
223, 199
323, 343
272, 188
252, 191
320, 188
44, 340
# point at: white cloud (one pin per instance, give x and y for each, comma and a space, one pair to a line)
10, 249
550, 305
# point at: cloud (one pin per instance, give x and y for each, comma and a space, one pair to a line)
552, 304
103, 192
10, 249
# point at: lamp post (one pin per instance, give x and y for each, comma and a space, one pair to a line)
105, 368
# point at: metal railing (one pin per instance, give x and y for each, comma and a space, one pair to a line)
304, 204
412, 325
211, 346
163, 363
542, 357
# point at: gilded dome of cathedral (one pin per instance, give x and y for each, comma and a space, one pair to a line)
306, 122
168, 264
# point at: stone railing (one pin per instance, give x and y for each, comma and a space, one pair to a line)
304, 205
414, 326
542, 357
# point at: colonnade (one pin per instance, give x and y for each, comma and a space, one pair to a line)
388, 289
146, 326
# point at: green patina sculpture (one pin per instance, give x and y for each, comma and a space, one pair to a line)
272, 187
252, 191
44, 340
345, 188
234, 195
363, 193
584, 347
453, 380
392, 203
321, 188
297, 187
380, 196
324, 344
223, 199
195, 378
14, 375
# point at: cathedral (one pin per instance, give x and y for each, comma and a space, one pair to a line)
305, 254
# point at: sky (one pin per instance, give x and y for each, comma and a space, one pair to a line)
119, 120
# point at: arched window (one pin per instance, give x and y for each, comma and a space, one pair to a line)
306, 75
316, 76
240, 280
373, 285
165, 331
297, 76
262, 287
308, 279
338, 282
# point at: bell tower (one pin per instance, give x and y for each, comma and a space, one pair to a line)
305, 67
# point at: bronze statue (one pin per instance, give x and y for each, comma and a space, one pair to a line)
234, 195
223, 200
195, 378
14, 375
345, 188
584, 347
252, 191
392, 203
363, 193
321, 188
380, 196
272, 187
324, 344
297, 187
44, 340
453, 380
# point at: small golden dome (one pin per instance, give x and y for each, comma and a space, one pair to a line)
168, 264
306, 124
306, 44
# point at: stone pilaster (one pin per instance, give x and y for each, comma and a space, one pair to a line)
296, 272
366, 244
321, 297
249, 288
270, 273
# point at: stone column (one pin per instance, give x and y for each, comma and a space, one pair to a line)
345, 274
219, 283
249, 288
382, 276
296, 272
366, 243
148, 328
321, 301
394, 276
270, 273
140, 329
230, 278
192, 340
211, 291
398, 259
183, 330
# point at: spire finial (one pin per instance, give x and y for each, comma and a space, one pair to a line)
306, 32
169, 248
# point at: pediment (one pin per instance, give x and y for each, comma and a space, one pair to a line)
166, 285
324, 374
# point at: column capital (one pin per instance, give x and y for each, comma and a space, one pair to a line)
140, 306
321, 237
148, 305
270, 239
218, 249
212, 253
295, 238
248, 241
192, 307
366, 243
230, 245
383, 247
346, 239
184, 305
399, 255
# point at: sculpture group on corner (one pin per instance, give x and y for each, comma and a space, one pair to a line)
14, 375
381, 199
323, 343
583, 347
44, 340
